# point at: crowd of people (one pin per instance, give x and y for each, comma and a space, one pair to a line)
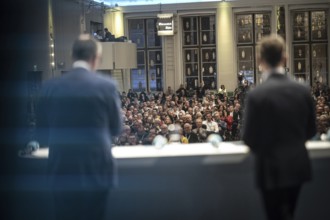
199, 114
321, 95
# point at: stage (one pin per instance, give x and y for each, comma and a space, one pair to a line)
197, 181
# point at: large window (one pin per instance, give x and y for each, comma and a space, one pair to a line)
149, 72
310, 45
250, 28
199, 51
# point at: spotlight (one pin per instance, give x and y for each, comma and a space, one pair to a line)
159, 141
214, 139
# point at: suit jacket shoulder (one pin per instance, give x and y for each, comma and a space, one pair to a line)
284, 109
278, 119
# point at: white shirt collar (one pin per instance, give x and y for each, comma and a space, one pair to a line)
266, 74
82, 64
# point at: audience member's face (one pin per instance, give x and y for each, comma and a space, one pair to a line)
152, 133
187, 128
128, 113
168, 120
206, 111
237, 107
322, 99
164, 129
199, 123
140, 129
132, 140
157, 122
149, 119
199, 115
188, 118
137, 123
209, 117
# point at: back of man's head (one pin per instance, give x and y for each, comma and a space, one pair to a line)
272, 50
86, 48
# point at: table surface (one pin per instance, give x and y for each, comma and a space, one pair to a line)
180, 150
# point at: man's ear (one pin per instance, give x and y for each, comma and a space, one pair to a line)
95, 62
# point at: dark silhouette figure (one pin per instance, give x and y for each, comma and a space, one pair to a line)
79, 113
279, 119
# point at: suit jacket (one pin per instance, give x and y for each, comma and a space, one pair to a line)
192, 137
78, 115
279, 119
201, 134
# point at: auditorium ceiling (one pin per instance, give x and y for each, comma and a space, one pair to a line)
115, 3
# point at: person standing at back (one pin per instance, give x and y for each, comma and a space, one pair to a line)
279, 119
108, 36
79, 113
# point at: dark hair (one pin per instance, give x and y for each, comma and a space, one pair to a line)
272, 49
84, 48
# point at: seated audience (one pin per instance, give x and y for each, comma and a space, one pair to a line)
148, 114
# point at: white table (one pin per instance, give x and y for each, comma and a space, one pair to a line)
182, 150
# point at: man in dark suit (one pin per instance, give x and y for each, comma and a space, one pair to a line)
279, 119
108, 36
191, 137
79, 113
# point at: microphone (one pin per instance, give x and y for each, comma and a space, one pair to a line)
214, 139
328, 135
31, 147
159, 141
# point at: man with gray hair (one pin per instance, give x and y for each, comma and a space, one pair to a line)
279, 119
79, 113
